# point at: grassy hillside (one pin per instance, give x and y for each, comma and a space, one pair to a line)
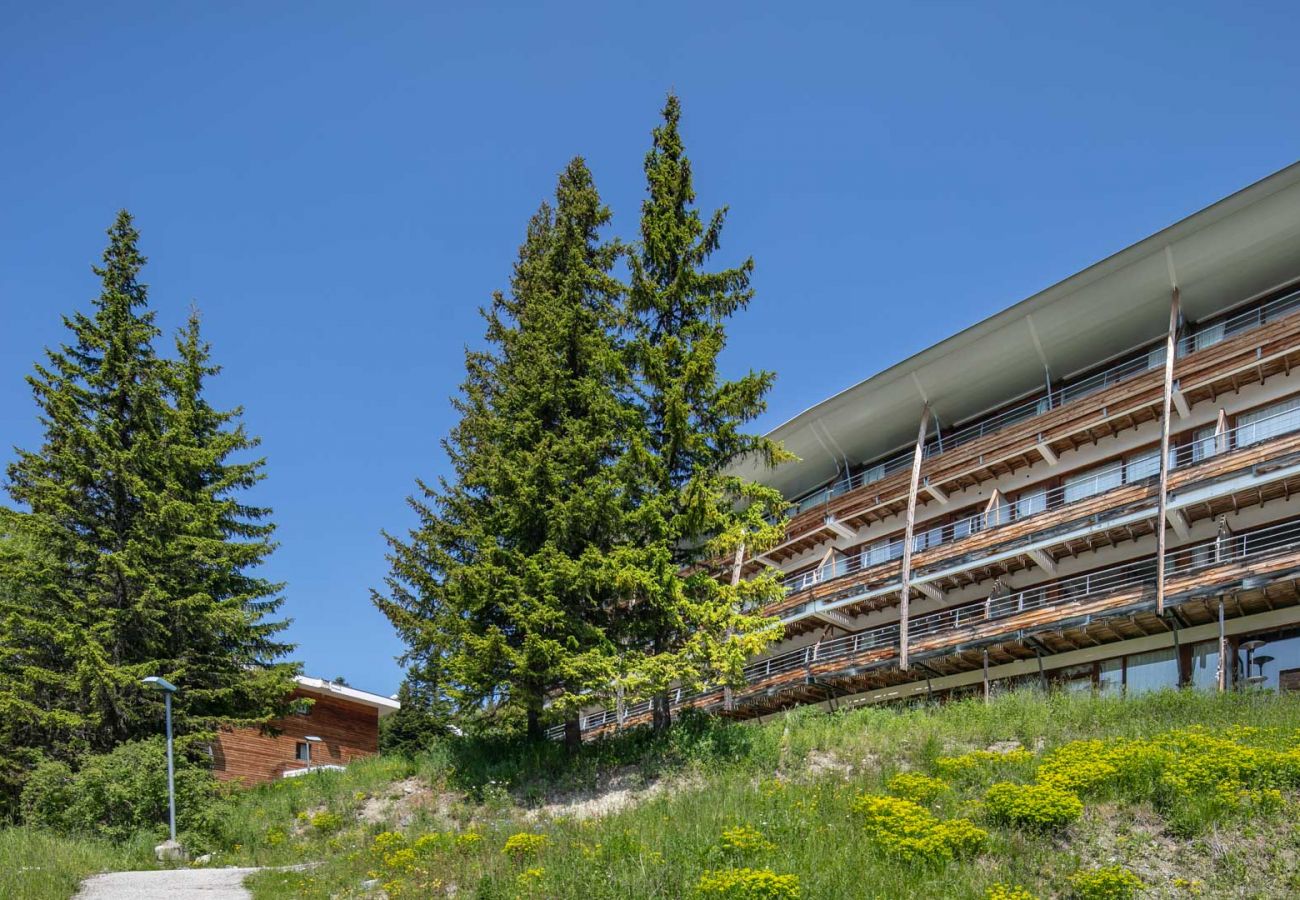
1169, 795
1173, 795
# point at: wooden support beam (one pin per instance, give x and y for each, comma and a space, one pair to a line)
840, 528
737, 566
1171, 349
1043, 560
907, 538
1180, 402
1223, 652
987, 692
930, 591
1047, 453
834, 617
1181, 526
936, 493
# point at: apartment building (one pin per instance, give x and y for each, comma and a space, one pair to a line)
995, 509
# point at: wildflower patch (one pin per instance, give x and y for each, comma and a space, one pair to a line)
748, 884
908, 831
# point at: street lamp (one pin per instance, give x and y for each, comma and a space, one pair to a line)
310, 739
162, 684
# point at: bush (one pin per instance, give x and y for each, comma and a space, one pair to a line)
745, 839
1109, 883
117, 794
1002, 891
917, 787
911, 833
1036, 807
524, 844
748, 884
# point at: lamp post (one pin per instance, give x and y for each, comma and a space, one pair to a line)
162, 684
310, 739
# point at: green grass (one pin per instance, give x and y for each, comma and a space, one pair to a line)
760, 776
39, 866
793, 782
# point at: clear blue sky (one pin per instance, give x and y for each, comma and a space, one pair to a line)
340, 185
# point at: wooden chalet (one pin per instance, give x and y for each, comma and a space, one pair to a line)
341, 725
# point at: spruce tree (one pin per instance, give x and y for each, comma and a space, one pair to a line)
695, 518
133, 548
224, 641
503, 592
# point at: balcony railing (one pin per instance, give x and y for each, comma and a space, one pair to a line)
1206, 334
1136, 468
1257, 545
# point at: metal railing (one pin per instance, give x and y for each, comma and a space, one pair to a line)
1129, 471
1257, 544
1204, 335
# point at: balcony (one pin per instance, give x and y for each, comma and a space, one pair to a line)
1095, 494
1219, 356
1108, 604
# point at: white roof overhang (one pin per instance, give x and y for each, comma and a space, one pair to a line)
1243, 245
321, 687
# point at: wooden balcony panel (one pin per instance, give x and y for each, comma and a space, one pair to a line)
1205, 374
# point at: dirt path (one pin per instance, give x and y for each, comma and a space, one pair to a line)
168, 884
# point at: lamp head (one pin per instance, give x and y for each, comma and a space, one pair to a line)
161, 684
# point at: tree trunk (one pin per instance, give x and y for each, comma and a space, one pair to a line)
535, 730
662, 712
573, 734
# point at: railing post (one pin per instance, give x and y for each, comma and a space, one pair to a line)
905, 588
1223, 652
1161, 525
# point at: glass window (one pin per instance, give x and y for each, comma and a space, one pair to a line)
1262, 424
302, 752
1110, 677
883, 551
1151, 671
1030, 502
1142, 464
1093, 482
1278, 660
1205, 666
1207, 336
1203, 443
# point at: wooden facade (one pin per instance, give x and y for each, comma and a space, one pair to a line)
348, 730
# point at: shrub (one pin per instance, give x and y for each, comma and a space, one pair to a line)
1036, 807
748, 884
973, 765
119, 793
1109, 883
524, 844
910, 832
1002, 891
745, 839
917, 787
326, 822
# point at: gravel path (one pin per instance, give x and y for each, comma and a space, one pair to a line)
168, 884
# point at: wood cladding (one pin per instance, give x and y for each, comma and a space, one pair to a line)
348, 731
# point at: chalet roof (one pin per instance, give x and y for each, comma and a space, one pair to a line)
1240, 247
323, 688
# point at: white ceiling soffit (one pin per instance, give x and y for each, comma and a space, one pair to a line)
1238, 247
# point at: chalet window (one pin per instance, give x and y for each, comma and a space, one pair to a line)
302, 752
1270, 421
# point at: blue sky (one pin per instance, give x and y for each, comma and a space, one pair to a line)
339, 186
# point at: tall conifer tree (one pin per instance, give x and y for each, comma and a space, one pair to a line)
688, 623
133, 550
504, 589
